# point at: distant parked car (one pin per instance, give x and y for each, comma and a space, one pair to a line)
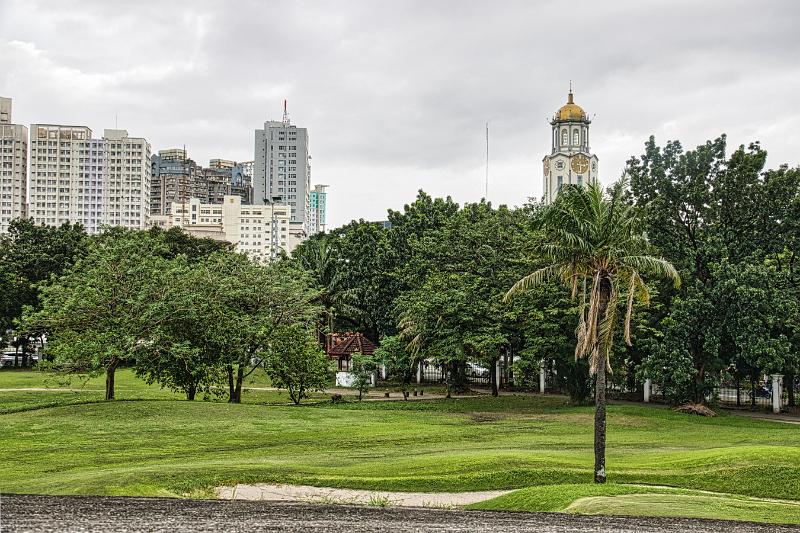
8, 359
477, 371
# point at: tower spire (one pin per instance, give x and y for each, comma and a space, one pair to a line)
285, 113
569, 97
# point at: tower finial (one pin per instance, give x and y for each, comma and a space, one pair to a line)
569, 96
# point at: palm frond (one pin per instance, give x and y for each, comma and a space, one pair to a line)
531, 280
655, 266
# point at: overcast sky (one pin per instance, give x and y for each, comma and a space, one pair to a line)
395, 94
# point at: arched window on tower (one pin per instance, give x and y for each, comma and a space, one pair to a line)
575, 138
564, 137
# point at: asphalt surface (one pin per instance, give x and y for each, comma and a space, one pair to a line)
36, 513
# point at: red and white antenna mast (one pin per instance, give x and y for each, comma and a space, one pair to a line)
285, 114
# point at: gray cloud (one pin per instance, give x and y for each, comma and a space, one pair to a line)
396, 94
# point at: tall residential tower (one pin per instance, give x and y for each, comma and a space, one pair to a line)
282, 170
13, 167
94, 182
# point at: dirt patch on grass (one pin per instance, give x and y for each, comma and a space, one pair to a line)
308, 494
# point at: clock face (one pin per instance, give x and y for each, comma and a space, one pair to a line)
559, 165
579, 164
547, 168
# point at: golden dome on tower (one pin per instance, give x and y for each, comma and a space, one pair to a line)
570, 111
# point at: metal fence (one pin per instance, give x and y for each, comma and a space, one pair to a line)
729, 394
476, 374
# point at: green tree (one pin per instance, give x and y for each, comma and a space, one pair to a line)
94, 314
363, 369
184, 343
295, 362
29, 256
397, 360
596, 246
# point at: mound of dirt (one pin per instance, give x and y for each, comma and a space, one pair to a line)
695, 409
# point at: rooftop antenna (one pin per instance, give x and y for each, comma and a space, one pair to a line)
285, 114
486, 193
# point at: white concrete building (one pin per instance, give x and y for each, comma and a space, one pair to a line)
570, 161
260, 231
95, 182
13, 167
282, 168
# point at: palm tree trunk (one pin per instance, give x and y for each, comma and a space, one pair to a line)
600, 391
600, 425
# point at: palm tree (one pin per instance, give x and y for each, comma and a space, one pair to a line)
594, 243
320, 259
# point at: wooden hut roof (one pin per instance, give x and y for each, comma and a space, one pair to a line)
351, 343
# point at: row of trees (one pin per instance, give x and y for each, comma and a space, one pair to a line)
436, 278
186, 313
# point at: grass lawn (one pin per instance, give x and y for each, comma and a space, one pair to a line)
164, 445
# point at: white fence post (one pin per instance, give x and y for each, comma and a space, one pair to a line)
383, 371
647, 385
777, 381
497, 375
419, 372
541, 377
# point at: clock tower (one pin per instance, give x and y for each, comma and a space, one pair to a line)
570, 161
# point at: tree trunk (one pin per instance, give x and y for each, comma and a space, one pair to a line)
493, 377
231, 389
600, 391
237, 391
790, 389
191, 391
600, 425
110, 369
738, 391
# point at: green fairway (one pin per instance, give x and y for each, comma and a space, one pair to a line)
643, 500
163, 445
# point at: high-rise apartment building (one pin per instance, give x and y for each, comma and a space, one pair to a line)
95, 182
177, 179
174, 180
318, 203
282, 169
13, 167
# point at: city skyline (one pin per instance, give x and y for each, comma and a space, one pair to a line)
397, 100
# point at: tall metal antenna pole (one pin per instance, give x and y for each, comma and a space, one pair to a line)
486, 194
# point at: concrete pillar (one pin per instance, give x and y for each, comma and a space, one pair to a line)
777, 381
383, 371
419, 372
647, 384
498, 375
372, 378
541, 378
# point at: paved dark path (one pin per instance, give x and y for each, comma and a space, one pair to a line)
101, 514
